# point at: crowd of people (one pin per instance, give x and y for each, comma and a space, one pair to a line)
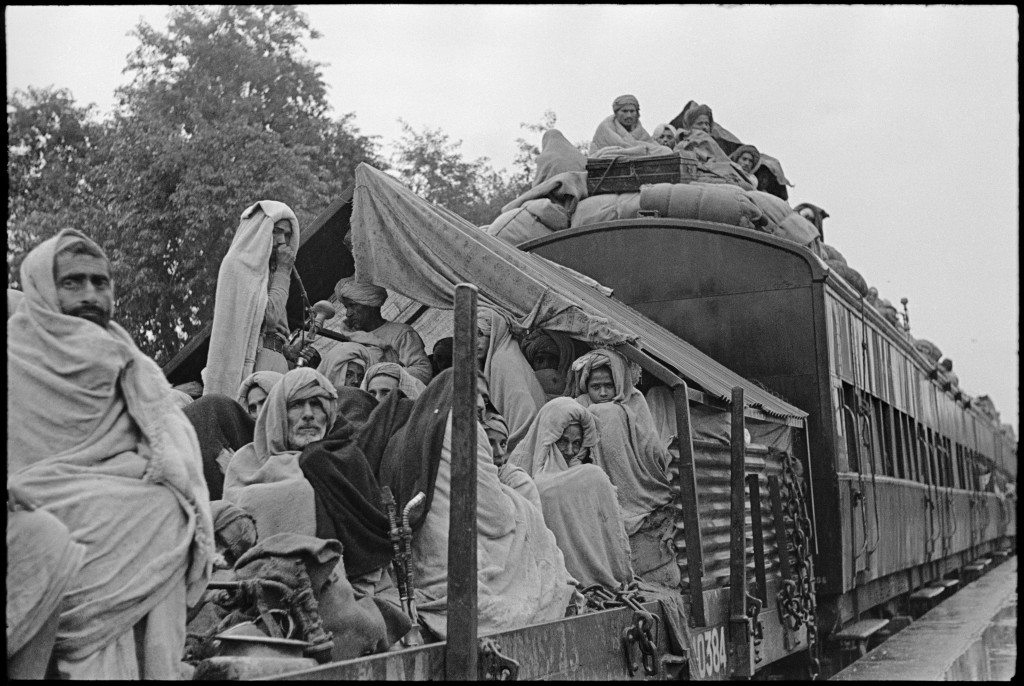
126, 497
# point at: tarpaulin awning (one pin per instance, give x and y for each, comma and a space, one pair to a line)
412, 247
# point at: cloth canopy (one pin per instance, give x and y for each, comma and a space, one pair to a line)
412, 247
241, 299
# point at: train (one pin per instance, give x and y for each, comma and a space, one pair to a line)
867, 486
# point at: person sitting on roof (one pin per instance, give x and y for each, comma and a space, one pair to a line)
622, 129
346, 363
384, 378
521, 574
747, 158
665, 134
634, 457
250, 324
365, 325
254, 389
579, 503
814, 215
514, 389
549, 353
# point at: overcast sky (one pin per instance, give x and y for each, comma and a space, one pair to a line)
902, 122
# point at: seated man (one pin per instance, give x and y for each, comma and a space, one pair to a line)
365, 325
250, 324
521, 573
94, 439
254, 389
622, 129
747, 158
346, 363
264, 477
577, 497
384, 378
634, 457
665, 134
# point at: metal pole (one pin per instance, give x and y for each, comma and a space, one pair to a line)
739, 644
461, 646
691, 509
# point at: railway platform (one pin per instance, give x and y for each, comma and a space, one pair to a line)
969, 637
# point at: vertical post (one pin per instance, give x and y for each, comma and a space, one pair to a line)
757, 526
691, 508
461, 646
739, 628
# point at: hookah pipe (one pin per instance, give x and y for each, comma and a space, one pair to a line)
401, 543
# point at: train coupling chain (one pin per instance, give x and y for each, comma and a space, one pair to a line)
641, 636
492, 665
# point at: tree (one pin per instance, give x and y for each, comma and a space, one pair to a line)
53, 149
223, 109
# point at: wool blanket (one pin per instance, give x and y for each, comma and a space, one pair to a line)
606, 207
783, 220
578, 500
264, 477
566, 189
521, 573
610, 133
354, 405
725, 204
95, 439
241, 298
222, 426
515, 391
557, 156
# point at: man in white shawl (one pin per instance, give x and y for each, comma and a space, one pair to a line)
250, 324
384, 378
255, 388
635, 458
577, 497
94, 438
264, 477
362, 323
622, 129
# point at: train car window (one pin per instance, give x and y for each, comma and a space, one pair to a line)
896, 421
884, 432
950, 466
850, 413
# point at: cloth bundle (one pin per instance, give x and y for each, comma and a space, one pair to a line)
557, 156
533, 219
565, 189
605, 208
783, 220
707, 202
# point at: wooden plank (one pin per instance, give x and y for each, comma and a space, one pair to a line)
461, 647
946, 583
862, 630
927, 593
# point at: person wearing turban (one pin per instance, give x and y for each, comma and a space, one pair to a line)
665, 134
250, 324
634, 456
94, 438
263, 477
254, 389
362, 323
622, 129
346, 363
549, 353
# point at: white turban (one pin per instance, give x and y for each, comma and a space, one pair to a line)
362, 293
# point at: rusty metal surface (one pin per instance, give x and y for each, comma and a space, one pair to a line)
587, 647
970, 636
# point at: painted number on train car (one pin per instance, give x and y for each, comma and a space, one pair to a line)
709, 656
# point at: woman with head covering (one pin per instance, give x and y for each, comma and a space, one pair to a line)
222, 427
549, 353
577, 497
634, 457
665, 134
384, 378
264, 477
254, 389
345, 364
514, 389
521, 575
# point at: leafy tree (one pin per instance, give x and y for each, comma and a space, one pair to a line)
53, 149
223, 109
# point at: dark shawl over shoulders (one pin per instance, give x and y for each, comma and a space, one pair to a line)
413, 454
220, 423
354, 405
346, 492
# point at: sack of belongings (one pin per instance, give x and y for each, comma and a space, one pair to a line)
712, 203
783, 220
532, 219
605, 208
851, 275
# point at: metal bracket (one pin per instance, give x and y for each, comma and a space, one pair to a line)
640, 643
493, 666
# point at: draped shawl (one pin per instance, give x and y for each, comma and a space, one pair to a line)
354, 405
514, 389
407, 383
631, 450
94, 436
335, 361
264, 477
221, 425
241, 298
265, 379
610, 133
578, 501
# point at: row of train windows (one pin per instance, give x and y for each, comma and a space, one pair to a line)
891, 443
